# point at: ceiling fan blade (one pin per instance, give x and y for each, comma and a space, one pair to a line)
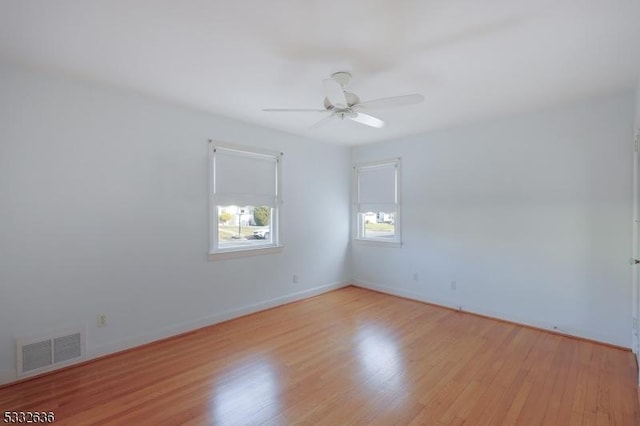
293, 110
322, 122
366, 119
335, 93
392, 101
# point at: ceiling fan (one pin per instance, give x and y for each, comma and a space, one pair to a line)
342, 104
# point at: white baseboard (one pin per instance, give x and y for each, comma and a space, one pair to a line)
576, 332
115, 347
211, 320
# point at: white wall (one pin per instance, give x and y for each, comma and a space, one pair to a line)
104, 207
530, 215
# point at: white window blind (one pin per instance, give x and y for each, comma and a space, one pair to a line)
244, 178
377, 188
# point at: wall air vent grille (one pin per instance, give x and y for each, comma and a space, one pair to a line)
37, 355
66, 348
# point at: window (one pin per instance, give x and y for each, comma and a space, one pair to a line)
377, 202
244, 197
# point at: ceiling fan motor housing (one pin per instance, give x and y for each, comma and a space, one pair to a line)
352, 99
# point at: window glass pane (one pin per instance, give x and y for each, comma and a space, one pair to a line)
378, 224
244, 226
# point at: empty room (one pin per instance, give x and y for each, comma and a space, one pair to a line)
319, 212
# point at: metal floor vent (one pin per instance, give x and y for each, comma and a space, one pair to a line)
49, 353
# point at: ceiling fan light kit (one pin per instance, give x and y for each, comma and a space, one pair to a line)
343, 104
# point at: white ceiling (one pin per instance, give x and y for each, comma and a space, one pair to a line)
472, 60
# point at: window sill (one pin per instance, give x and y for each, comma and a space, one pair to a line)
378, 243
233, 254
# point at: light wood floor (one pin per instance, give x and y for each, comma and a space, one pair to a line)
351, 356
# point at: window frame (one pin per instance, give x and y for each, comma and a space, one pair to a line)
357, 226
275, 246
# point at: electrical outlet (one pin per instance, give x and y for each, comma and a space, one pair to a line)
453, 285
295, 278
102, 320
415, 276
635, 324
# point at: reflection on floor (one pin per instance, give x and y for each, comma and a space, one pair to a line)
247, 393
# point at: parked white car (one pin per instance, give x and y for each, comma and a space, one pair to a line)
261, 234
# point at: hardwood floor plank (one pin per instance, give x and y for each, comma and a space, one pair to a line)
351, 356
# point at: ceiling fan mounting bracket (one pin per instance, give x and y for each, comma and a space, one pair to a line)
342, 77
